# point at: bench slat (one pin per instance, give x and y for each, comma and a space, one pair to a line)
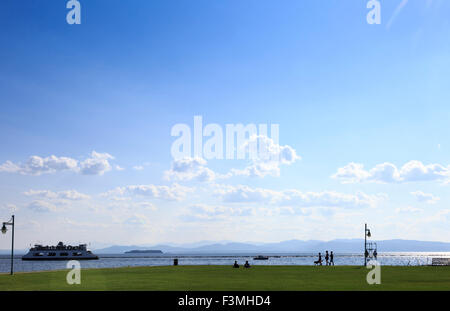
440, 261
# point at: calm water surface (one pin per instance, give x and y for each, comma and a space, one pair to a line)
132, 260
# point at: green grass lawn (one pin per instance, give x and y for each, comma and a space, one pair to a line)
259, 278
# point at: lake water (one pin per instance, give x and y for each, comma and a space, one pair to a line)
133, 260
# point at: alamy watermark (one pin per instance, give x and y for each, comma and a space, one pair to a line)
374, 15
74, 15
374, 275
235, 141
74, 275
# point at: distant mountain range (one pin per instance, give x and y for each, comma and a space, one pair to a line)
292, 246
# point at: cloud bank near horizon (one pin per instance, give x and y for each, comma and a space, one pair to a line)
96, 164
412, 171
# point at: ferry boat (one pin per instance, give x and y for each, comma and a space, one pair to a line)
260, 257
59, 252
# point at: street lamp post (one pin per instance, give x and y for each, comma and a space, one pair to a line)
4, 230
366, 235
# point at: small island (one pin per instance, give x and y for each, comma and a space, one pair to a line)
148, 251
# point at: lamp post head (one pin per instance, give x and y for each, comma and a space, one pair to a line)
368, 233
4, 229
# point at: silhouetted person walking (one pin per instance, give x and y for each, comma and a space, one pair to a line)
326, 258
331, 258
319, 261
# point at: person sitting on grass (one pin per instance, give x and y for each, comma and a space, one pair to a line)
247, 265
235, 264
319, 261
331, 258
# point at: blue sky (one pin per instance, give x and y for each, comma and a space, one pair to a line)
341, 90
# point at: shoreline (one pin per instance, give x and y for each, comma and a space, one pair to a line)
205, 266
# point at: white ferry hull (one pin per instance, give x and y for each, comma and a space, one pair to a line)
59, 252
60, 258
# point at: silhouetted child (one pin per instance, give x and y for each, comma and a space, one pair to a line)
247, 265
235, 264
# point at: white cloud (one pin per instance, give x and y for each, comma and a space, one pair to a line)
211, 212
416, 171
67, 222
37, 165
50, 201
241, 193
125, 204
269, 158
351, 173
425, 197
72, 195
219, 210
385, 172
138, 168
331, 199
97, 164
407, 210
10, 167
42, 206
190, 169
289, 211
172, 193
67, 195
267, 161
412, 171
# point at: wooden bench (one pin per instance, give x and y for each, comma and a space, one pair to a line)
440, 262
